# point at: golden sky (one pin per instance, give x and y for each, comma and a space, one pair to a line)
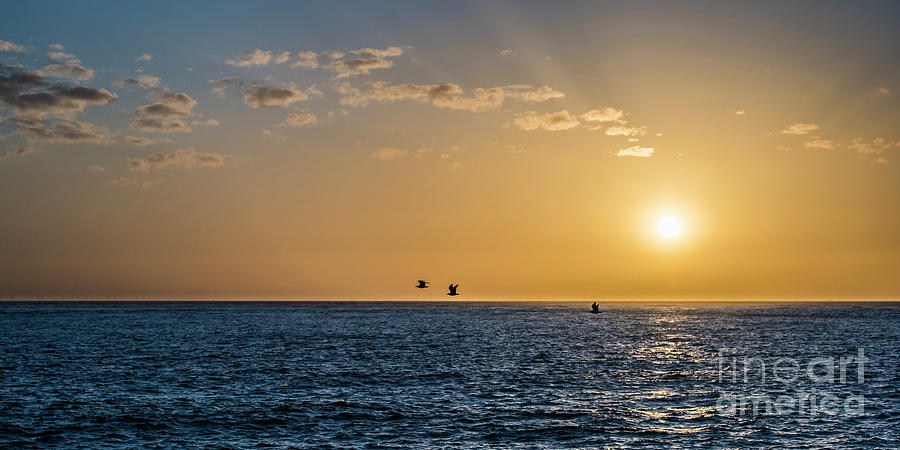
523, 150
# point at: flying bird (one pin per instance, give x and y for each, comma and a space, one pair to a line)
422, 284
453, 289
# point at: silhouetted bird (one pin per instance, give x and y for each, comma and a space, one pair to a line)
453, 289
422, 284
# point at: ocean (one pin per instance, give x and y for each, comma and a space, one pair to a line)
448, 374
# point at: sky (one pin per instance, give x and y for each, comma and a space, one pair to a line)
525, 150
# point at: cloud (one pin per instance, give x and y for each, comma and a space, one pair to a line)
882, 91
141, 81
331, 54
282, 58
528, 93
164, 116
820, 143
257, 57
144, 57
61, 130
6, 46
875, 146
740, 112
508, 52
623, 130
300, 119
69, 70
17, 89
186, 158
386, 153
260, 96
444, 95
603, 115
376, 53
96, 168
22, 151
881, 161
353, 67
56, 56
220, 87
205, 123
531, 120
800, 128
169, 104
637, 150
133, 182
57, 47
156, 125
139, 141
307, 59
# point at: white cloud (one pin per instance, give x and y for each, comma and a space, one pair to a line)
282, 58
205, 123
141, 81
800, 128
255, 57
820, 143
637, 150
221, 86
603, 115
144, 57
508, 52
623, 130
300, 119
740, 112
444, 95
69, 70
556, 121
376, 53
6, 46
875, 146
57, 47
56, 56
307, 59
386, 153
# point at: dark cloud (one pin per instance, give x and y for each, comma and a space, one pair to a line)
17, 89
259, 96
162, 116
139, 141
186, 158
61, 130
155, 125
353, 67
69, 70
22, 151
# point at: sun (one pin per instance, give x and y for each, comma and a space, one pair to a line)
669, 227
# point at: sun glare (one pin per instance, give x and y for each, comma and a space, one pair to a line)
669, 227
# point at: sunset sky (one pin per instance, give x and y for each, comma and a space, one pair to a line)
525, 150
